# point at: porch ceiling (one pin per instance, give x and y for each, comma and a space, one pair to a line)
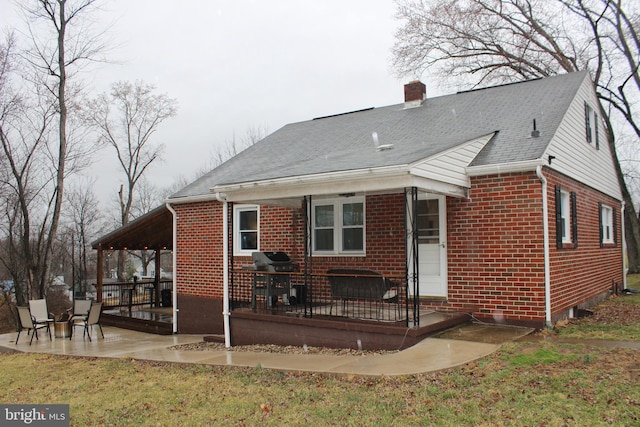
153, 231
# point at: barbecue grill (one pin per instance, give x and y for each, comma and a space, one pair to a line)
270, 279
272, 261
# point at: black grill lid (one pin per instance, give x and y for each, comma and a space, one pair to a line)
270, 257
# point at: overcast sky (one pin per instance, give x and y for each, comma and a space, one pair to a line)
238, 64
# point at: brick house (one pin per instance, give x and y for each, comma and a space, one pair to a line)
501, 203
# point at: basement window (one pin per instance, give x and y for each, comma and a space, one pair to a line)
246, 229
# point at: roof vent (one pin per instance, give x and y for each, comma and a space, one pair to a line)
415, 93
376, 143
535, 132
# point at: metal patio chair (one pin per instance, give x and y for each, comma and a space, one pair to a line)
81, 309
38, 309
27, 322
92, 318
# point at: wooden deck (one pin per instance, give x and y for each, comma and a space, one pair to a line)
151, 320
248, 327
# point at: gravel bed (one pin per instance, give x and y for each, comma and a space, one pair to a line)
270, 348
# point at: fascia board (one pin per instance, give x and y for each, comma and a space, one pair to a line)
514, 167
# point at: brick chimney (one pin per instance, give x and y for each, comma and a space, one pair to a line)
415, 93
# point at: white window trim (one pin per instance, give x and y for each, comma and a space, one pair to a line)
606, 215
237, 209
565, 210
337, 228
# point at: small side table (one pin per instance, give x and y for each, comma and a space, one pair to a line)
62, 329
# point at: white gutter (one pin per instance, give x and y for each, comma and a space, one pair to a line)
514, 167
331, 177
174, 265
221, 197
192, 199
624, 247
545, 228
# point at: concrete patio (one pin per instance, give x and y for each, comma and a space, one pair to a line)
431, 354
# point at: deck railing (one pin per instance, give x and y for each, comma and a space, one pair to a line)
310, 295
129, 294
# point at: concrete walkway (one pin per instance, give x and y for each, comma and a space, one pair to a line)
432, 354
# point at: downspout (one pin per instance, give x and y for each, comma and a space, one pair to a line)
174, 265
547, 267
221, 197
624, 247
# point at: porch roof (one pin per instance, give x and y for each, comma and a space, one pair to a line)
153, 231
334, 150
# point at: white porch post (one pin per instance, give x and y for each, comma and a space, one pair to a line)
225, 268
174, 265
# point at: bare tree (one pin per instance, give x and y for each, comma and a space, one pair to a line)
125, 120
233, 146
85, 222
38, 130
497, 41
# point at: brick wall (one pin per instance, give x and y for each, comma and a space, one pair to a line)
496, 253
385, 239
495, 249
494, 241
199, 249
587, 271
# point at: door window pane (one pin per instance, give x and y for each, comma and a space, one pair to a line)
428, 221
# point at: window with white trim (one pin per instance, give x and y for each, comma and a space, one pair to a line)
566, 218
607, 232
246, 229
339, 226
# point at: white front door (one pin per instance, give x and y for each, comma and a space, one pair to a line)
432, 246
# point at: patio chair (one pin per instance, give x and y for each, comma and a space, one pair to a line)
27, 322
80, 309
38, 309
92, 318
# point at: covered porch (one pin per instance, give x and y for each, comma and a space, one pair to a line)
142, 304
304, 307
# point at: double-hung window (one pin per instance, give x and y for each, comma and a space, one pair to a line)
591, 122
246, 229
339, 226
607, 225
566, 219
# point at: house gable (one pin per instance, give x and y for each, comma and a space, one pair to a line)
570, 153
451, 166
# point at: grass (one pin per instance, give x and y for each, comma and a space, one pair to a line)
616, 319
522, 384
536, 383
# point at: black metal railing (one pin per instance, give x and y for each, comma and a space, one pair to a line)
319, 295
130, 294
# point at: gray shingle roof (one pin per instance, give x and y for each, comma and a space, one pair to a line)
344, 142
